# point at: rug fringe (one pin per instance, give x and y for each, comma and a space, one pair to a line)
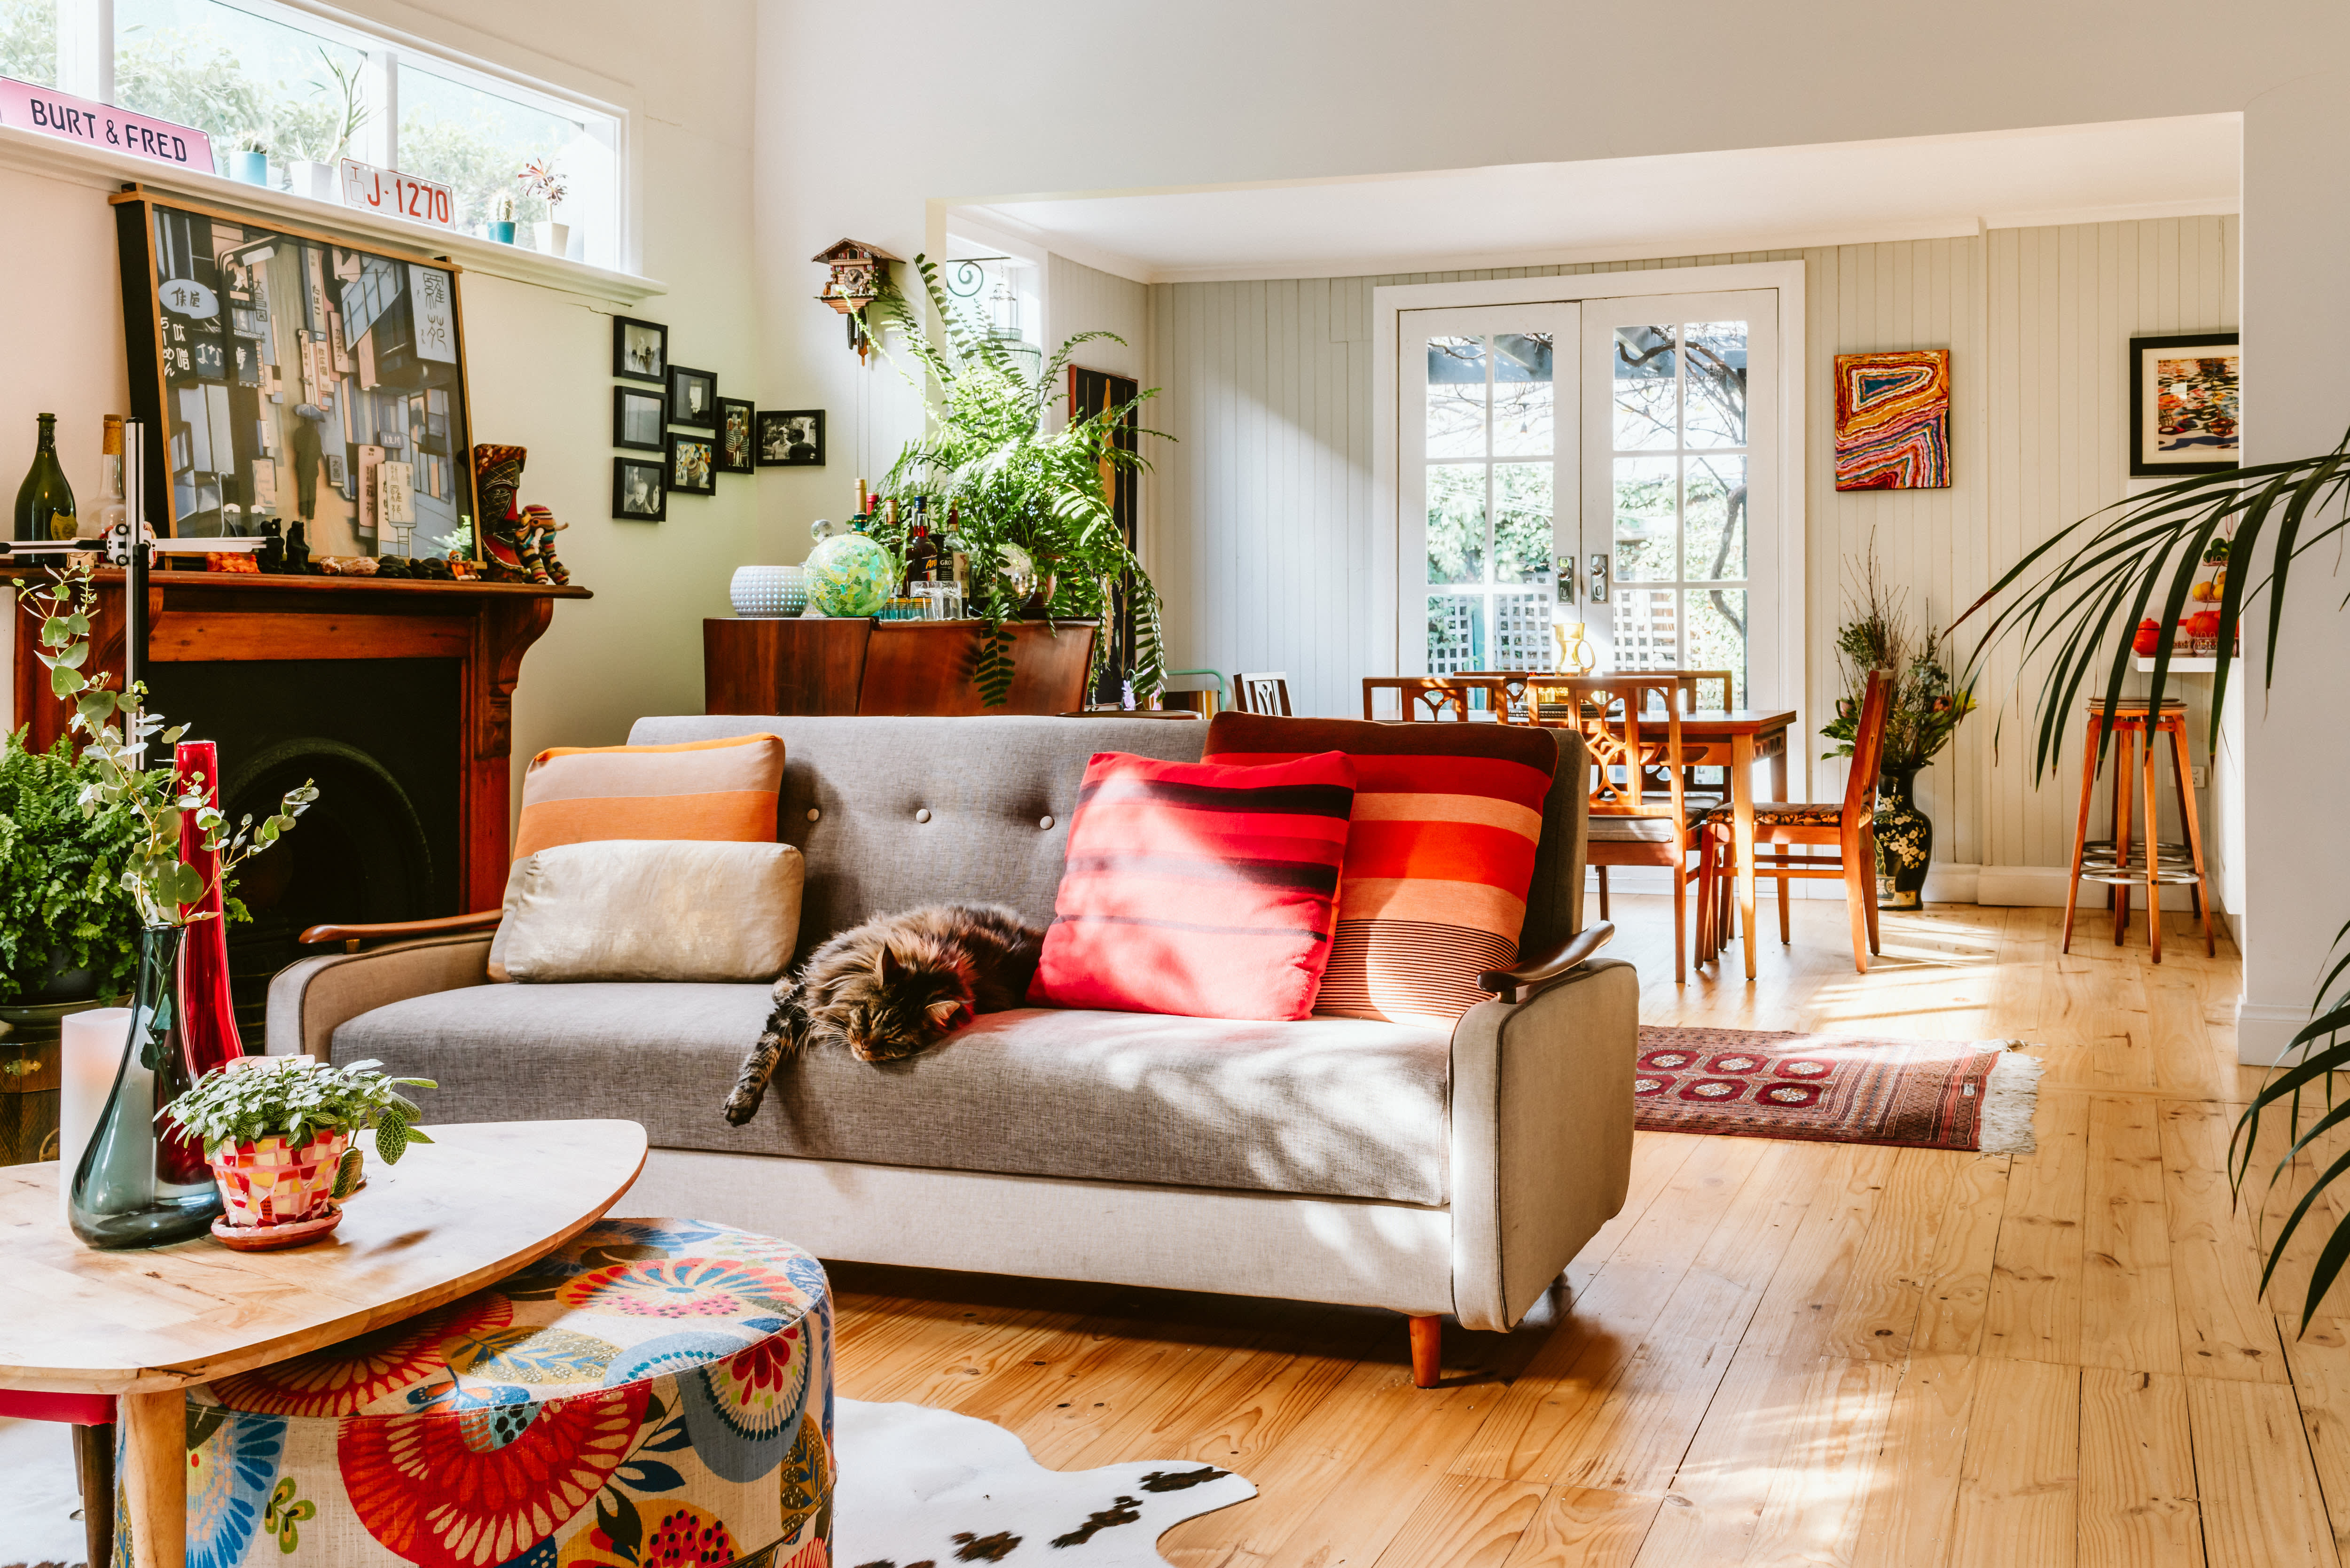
2011, 1096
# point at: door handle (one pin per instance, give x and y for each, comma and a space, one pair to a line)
1566, 579
1598, 578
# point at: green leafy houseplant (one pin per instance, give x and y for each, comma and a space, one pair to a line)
299, 1099
988, 459
1927, 704
2078, 598
62, 903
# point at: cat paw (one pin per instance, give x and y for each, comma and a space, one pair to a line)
744, 1104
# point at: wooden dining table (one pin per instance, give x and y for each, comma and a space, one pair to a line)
1736, 739
473, 1206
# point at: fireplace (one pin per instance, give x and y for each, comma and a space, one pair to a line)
396, 696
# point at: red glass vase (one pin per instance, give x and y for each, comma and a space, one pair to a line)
208, 1034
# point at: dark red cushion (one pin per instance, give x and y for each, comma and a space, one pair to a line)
1198, 889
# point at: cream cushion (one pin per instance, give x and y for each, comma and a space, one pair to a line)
660, 909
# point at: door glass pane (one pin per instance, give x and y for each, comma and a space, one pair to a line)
1646, 417
1456, 397
1522, 507
1456, 633
1523, 398
1645, 522
1716, 354
1456, 522
28, 41
242, 79
1717, 635
1715, 519
1521, 638
1648, 629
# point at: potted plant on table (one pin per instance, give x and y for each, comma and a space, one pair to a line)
277, 1132
1922, 715
1028, 503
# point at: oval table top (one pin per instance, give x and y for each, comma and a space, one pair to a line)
476, 1203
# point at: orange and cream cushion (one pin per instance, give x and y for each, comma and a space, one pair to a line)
723, 789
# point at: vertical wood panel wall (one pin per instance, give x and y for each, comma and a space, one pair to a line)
1261, 530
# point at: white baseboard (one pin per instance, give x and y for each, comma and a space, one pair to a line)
2024, 887
2042, 887
2264, 1031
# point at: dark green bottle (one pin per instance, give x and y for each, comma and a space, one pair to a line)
45, 502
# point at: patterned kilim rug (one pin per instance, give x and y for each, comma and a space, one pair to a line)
1973, 1095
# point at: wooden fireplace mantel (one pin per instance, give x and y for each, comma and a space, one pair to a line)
233, 617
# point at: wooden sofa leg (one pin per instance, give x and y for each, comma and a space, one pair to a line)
1426, 1351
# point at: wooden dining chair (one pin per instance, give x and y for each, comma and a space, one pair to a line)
1641, 813
1266, 692
1847, 826
1694, 693
1442, 696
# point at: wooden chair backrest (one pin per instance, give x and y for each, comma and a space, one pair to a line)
1626, 738
1868, 745
1694, 693
1267, 691
1444, 696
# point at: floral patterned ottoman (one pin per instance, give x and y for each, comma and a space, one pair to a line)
658, 1392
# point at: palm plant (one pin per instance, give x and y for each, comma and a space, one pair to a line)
991, 463
2078, 597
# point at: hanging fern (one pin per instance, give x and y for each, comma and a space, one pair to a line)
988, 459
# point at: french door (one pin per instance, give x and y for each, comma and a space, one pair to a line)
1604, 466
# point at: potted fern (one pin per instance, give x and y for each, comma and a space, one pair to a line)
1027, 503
277, 1132
68, 929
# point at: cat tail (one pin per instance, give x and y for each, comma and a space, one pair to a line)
786, 1033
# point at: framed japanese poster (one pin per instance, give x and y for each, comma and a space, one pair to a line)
295, 376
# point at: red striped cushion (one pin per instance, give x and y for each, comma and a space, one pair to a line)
1195, 890
1433, 891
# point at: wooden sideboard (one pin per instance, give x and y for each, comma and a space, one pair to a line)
810, 665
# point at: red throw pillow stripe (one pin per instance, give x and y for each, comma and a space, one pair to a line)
1197, 889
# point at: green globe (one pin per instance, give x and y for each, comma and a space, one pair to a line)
851, 575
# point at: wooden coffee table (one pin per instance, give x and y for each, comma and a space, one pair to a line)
458, 1213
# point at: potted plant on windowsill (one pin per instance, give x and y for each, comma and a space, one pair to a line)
1026, 503
278, 1134
539, 180
327, 130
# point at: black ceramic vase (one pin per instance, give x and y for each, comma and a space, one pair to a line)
141, 1183
1905, 841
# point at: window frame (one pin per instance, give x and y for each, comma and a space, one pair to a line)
87, 42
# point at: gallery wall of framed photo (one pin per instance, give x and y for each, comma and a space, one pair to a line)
690, 431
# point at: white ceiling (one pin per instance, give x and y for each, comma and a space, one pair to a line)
1619, 209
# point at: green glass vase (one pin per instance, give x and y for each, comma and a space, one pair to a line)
144, 1182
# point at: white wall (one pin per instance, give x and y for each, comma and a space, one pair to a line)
539, 359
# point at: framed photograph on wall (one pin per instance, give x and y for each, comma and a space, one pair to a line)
2184, 404
791, 438
693, 463
693, 398
638, 494
640, 350
735, 452
638, 416
278, 371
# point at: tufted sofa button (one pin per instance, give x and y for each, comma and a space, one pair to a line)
923, 813
1045, 822
813, 813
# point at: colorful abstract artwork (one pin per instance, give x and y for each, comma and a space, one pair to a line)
2183, 404
1893, 421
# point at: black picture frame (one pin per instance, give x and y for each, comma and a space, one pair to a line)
781, 443
2217, 427
628, 344
737, 429
626, 506
652, 410
680, 475
683, 386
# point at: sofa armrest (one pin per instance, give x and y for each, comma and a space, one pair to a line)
353, 938
1524, 982
1542, 1134
309, 998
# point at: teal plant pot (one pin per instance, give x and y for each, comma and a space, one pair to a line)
503, 232
252, 168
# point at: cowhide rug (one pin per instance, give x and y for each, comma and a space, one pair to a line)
919, 1489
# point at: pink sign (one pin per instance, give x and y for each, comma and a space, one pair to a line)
31, 107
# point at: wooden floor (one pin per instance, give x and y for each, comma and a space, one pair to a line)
1779, 1352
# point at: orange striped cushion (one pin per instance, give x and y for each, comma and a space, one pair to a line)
1433, 889
699, 789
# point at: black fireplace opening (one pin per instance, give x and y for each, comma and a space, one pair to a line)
382, 740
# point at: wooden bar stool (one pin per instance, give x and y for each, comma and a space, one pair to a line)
2125, 861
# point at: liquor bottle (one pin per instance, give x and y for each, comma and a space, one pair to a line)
45, 502
111, 508
922, 550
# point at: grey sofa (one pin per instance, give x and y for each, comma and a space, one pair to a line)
1330, 1159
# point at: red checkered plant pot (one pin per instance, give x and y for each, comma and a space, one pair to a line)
268, 1183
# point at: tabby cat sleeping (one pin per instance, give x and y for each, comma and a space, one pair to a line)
893, 988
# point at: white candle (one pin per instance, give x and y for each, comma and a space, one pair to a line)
92, 1052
